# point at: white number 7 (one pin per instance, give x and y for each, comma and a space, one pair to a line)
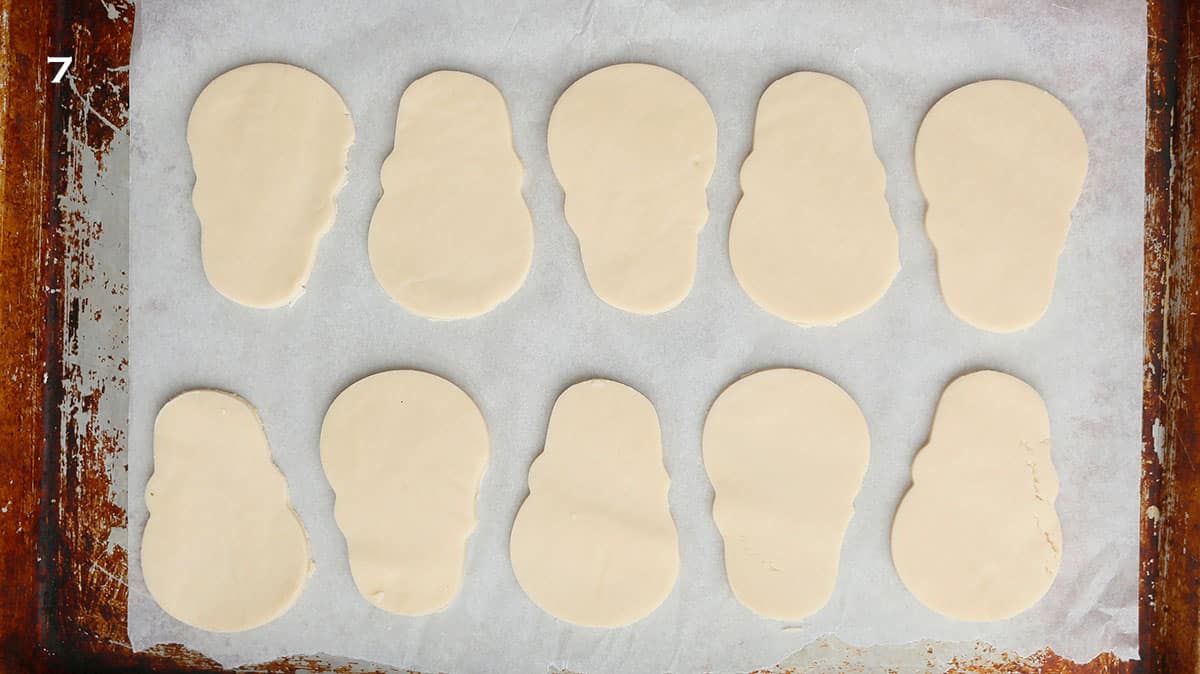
63, 62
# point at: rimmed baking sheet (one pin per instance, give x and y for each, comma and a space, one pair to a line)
1084, 356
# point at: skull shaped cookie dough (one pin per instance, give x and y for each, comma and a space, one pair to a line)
223, 550
451, 236
633, 146
812, 240
404, 451
594, 542
786, 451
977, 536
1001, 164
269, 144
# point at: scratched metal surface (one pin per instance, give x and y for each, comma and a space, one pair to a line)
62, 287
1170, 619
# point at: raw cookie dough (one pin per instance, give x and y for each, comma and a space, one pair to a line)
451, 236
269, 144
223, 550
594, 543
405, 451
633, 146
977, 537
1001, 164
812, 240
786, 451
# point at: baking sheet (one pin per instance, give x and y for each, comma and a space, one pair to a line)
1084, 356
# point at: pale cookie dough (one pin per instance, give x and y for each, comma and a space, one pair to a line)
977, 537
633, 146
451, 236
786, 451
405, 451
812, 240
223, 550
269, 144
594, 543
1001, 164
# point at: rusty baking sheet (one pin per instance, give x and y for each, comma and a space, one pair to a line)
63, 235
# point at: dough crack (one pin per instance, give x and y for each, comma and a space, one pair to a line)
1037, 495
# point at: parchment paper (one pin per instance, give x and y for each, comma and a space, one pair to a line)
1084, 356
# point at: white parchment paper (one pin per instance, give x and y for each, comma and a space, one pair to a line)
1084, 356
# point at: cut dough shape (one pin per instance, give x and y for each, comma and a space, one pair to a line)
1001, 164
812, 240
633, 146
404, 451
977, 537
786, 451
269, 144
594, 543
451, 236
223, 550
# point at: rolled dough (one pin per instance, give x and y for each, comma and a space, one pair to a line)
633, 146
405, 451
786, 451
594, 543
812, 240
451, 236
977, 536
1001, 164
223, 550
269, 144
